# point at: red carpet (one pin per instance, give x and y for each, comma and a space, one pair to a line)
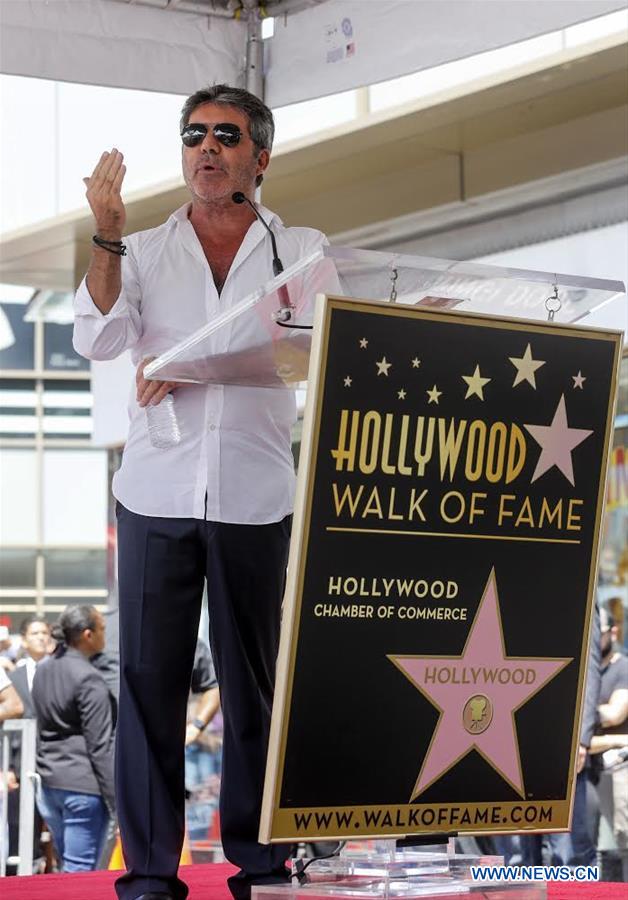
208, 882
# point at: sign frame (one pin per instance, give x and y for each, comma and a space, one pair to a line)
273, 821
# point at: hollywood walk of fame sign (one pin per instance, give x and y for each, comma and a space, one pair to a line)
441, 576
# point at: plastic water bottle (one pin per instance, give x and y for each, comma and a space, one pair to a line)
163, 427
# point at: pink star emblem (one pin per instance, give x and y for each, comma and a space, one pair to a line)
557, 441
477, 695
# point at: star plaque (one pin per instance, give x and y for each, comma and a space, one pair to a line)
441, 576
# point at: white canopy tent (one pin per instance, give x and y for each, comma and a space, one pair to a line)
318, 47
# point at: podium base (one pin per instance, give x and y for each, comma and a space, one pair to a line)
404, 874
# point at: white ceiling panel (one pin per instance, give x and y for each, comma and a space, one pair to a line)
343, 44
326, 47
117, 44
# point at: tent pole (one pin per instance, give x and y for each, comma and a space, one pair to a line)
254, 49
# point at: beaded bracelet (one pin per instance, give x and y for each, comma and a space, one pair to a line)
116, 247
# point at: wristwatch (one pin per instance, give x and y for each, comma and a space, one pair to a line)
198, 723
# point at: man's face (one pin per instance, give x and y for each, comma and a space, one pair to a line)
35, 641
211, 170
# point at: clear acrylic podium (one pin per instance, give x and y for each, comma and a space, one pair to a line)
269, 336
268, 350
408, 874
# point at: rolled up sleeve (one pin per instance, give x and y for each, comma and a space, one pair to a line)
98, 336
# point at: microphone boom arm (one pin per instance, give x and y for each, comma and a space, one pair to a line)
284, 313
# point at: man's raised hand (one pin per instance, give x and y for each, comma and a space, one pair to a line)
103, 195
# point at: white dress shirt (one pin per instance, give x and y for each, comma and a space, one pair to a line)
234, 462
31, 667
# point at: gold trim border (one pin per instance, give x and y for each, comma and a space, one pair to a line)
273, 820
550, 816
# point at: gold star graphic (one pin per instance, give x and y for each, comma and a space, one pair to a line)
401, 394
526, 367
434, 394
475, 384
578, 380
348, 381
416, 362
364, 343
383, 366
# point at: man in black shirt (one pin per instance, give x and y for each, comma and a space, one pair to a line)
611, 741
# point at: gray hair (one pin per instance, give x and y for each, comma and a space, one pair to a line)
261, 122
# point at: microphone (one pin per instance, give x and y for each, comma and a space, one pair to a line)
284, 314
238, 198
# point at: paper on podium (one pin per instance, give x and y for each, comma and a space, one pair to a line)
264, 353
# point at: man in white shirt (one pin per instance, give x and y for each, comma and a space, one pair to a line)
35, 633
215, 505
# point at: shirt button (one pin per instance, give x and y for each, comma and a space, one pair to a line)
212, 427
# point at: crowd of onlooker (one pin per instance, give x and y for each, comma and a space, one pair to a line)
65, 678
599, 828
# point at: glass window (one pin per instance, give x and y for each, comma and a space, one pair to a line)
67, 408
18, 488
60, 424
17, 568
13, 400
75, 497
13, 611
52, 615
54, 606
58, 350
17, 423
75, 568
18, 401
67, 395
17, 348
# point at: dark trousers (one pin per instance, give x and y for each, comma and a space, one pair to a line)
584, 816
162, 564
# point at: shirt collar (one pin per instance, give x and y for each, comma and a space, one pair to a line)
254, 236
182, 213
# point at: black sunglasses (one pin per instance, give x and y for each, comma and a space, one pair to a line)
194, 134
